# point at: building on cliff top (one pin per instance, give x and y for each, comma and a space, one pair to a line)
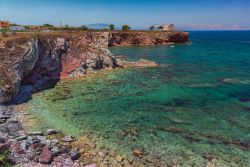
16, 28
4, 24
168, 27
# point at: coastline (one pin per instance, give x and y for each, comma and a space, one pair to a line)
27, 147
24, 131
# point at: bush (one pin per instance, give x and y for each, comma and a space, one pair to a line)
2, 82
48, 25
160, 28
111, 26
151, 28
4, 161
126, 27
83, 27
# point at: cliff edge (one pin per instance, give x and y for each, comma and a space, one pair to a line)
140, 38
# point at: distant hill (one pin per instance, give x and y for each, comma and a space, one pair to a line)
98, 26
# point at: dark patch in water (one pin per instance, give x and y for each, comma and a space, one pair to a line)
243, 94
178, 102
246, 108
244, 100
212, 138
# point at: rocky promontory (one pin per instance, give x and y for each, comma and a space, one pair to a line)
141, 38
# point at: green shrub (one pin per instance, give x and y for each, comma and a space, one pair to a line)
2, 82
111, 26
151, 28
160, 28
126, 27
4, 161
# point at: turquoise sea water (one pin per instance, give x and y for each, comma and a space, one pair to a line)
193, 108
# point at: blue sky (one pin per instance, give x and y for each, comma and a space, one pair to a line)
186, 14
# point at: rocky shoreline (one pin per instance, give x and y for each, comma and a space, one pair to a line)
54, 149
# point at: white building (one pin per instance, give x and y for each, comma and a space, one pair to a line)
169, 27
16, 28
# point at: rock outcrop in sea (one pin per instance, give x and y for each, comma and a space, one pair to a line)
141, 38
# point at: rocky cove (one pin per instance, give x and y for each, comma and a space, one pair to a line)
29, 62
37, 58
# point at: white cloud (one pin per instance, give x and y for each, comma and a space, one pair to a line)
216, 27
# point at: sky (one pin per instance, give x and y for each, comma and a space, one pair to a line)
139, 14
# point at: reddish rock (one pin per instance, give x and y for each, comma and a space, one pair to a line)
15, 147
146, 38
3, 146
45, 156
91, 165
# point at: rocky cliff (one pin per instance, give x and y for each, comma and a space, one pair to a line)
146, 38
41, 58
38, 58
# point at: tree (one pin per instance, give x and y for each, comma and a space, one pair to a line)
151, 28
111, 26
47, 25
126, 27
160, 28
83, 27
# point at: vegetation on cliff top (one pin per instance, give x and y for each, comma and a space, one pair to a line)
2, 82
4, 161
126, 27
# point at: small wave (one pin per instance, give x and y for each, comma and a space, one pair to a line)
236, 81
242, 41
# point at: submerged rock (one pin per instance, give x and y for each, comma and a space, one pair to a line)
68, 139
119, 158
178, 121
74, 154
137, 152
52, 131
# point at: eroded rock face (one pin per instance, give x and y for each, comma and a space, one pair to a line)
147, 38
55, 57
32, 59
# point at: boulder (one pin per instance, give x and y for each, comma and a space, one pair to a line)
52, 131
74, 154
3, 146
46, 156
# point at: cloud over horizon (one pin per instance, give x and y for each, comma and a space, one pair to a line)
215, 27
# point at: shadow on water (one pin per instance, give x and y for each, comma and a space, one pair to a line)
26, 91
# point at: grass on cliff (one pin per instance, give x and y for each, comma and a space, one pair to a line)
2, 82
4, 161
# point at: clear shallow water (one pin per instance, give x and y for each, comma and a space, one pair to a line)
194, 107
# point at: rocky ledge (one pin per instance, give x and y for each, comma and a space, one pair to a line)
140, 38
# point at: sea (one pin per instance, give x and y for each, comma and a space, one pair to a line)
193, 108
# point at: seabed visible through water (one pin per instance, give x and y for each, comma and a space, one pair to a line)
193, 108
